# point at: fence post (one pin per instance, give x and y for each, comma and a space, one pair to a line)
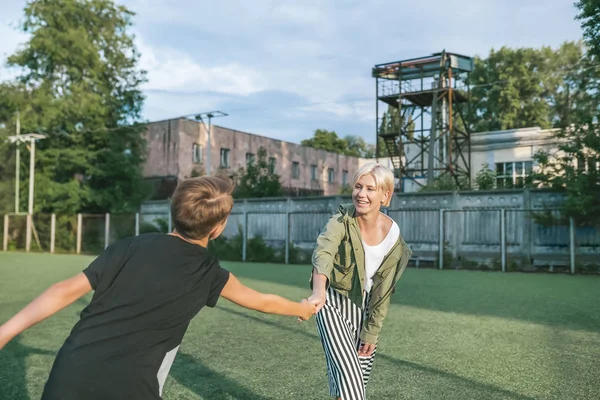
28, 234
137, 224
503, 238
170, 222
79, 233
572, 243
5, 237
106, 229
245, 235
52, 232
441, 240
287, 236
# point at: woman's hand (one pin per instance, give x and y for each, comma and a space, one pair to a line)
366, 349
318, 298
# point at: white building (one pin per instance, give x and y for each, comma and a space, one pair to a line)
510, 153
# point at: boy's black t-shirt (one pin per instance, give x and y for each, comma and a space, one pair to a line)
147, 289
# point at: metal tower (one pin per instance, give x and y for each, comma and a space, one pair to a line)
425, 128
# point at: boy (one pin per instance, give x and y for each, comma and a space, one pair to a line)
146, 291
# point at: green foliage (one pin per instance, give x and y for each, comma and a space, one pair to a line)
525, 87
79, 85
350, 145
575, 168
258, 179
346, 190
257, 250
393, 122
485, 178
445, 182
589, 15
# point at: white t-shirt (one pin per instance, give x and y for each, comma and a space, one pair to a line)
374, 255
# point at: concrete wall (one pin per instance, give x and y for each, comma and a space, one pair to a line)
471, 226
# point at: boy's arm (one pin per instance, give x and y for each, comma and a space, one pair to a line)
242, 295
54, 299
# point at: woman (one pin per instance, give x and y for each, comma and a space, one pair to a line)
360, 256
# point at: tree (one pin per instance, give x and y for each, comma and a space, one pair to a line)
258, 179
326, 140
79, 85
575, 168
589, 15
485, 178
350, 145
524, 87
392, 122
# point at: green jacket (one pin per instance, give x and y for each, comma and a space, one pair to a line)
340, 256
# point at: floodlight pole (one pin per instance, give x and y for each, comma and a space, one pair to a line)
31, 177
210, 115
31, 138
17, 166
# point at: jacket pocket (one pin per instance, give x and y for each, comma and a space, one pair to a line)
341, 276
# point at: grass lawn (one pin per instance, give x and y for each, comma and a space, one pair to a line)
449, 335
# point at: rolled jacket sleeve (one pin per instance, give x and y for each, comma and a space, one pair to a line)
328, 243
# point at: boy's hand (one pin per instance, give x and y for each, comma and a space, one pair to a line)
308, 310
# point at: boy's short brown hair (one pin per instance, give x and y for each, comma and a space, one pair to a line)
200, 204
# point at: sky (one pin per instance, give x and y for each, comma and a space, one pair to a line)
284, 68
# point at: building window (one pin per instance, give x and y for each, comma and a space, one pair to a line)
224, 158
513, 174
330, 175
196, 153
295, 170
249, 158
272, 163
344, 178
313, 172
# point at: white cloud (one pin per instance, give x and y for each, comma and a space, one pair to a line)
174, 70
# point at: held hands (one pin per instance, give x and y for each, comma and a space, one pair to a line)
308, 310
317, 301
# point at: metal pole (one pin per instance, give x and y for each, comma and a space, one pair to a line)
31, 176
18, 165
79, 227
245, 236
106, 229
137, 224
170, 222
28, 234
287, 237
5, 239
52, 232
377, 119
503, 238
208, 147
441, 239
572, 243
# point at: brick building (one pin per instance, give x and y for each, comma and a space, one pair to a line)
176, 150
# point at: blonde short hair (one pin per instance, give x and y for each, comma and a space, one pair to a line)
200, 204
384, 178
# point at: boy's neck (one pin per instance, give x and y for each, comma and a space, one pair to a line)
200, 242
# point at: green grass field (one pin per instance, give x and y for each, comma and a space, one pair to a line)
449, 335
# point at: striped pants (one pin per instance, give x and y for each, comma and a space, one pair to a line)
339, 324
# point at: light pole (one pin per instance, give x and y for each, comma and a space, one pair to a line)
18, 166
210, 115
31, 138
